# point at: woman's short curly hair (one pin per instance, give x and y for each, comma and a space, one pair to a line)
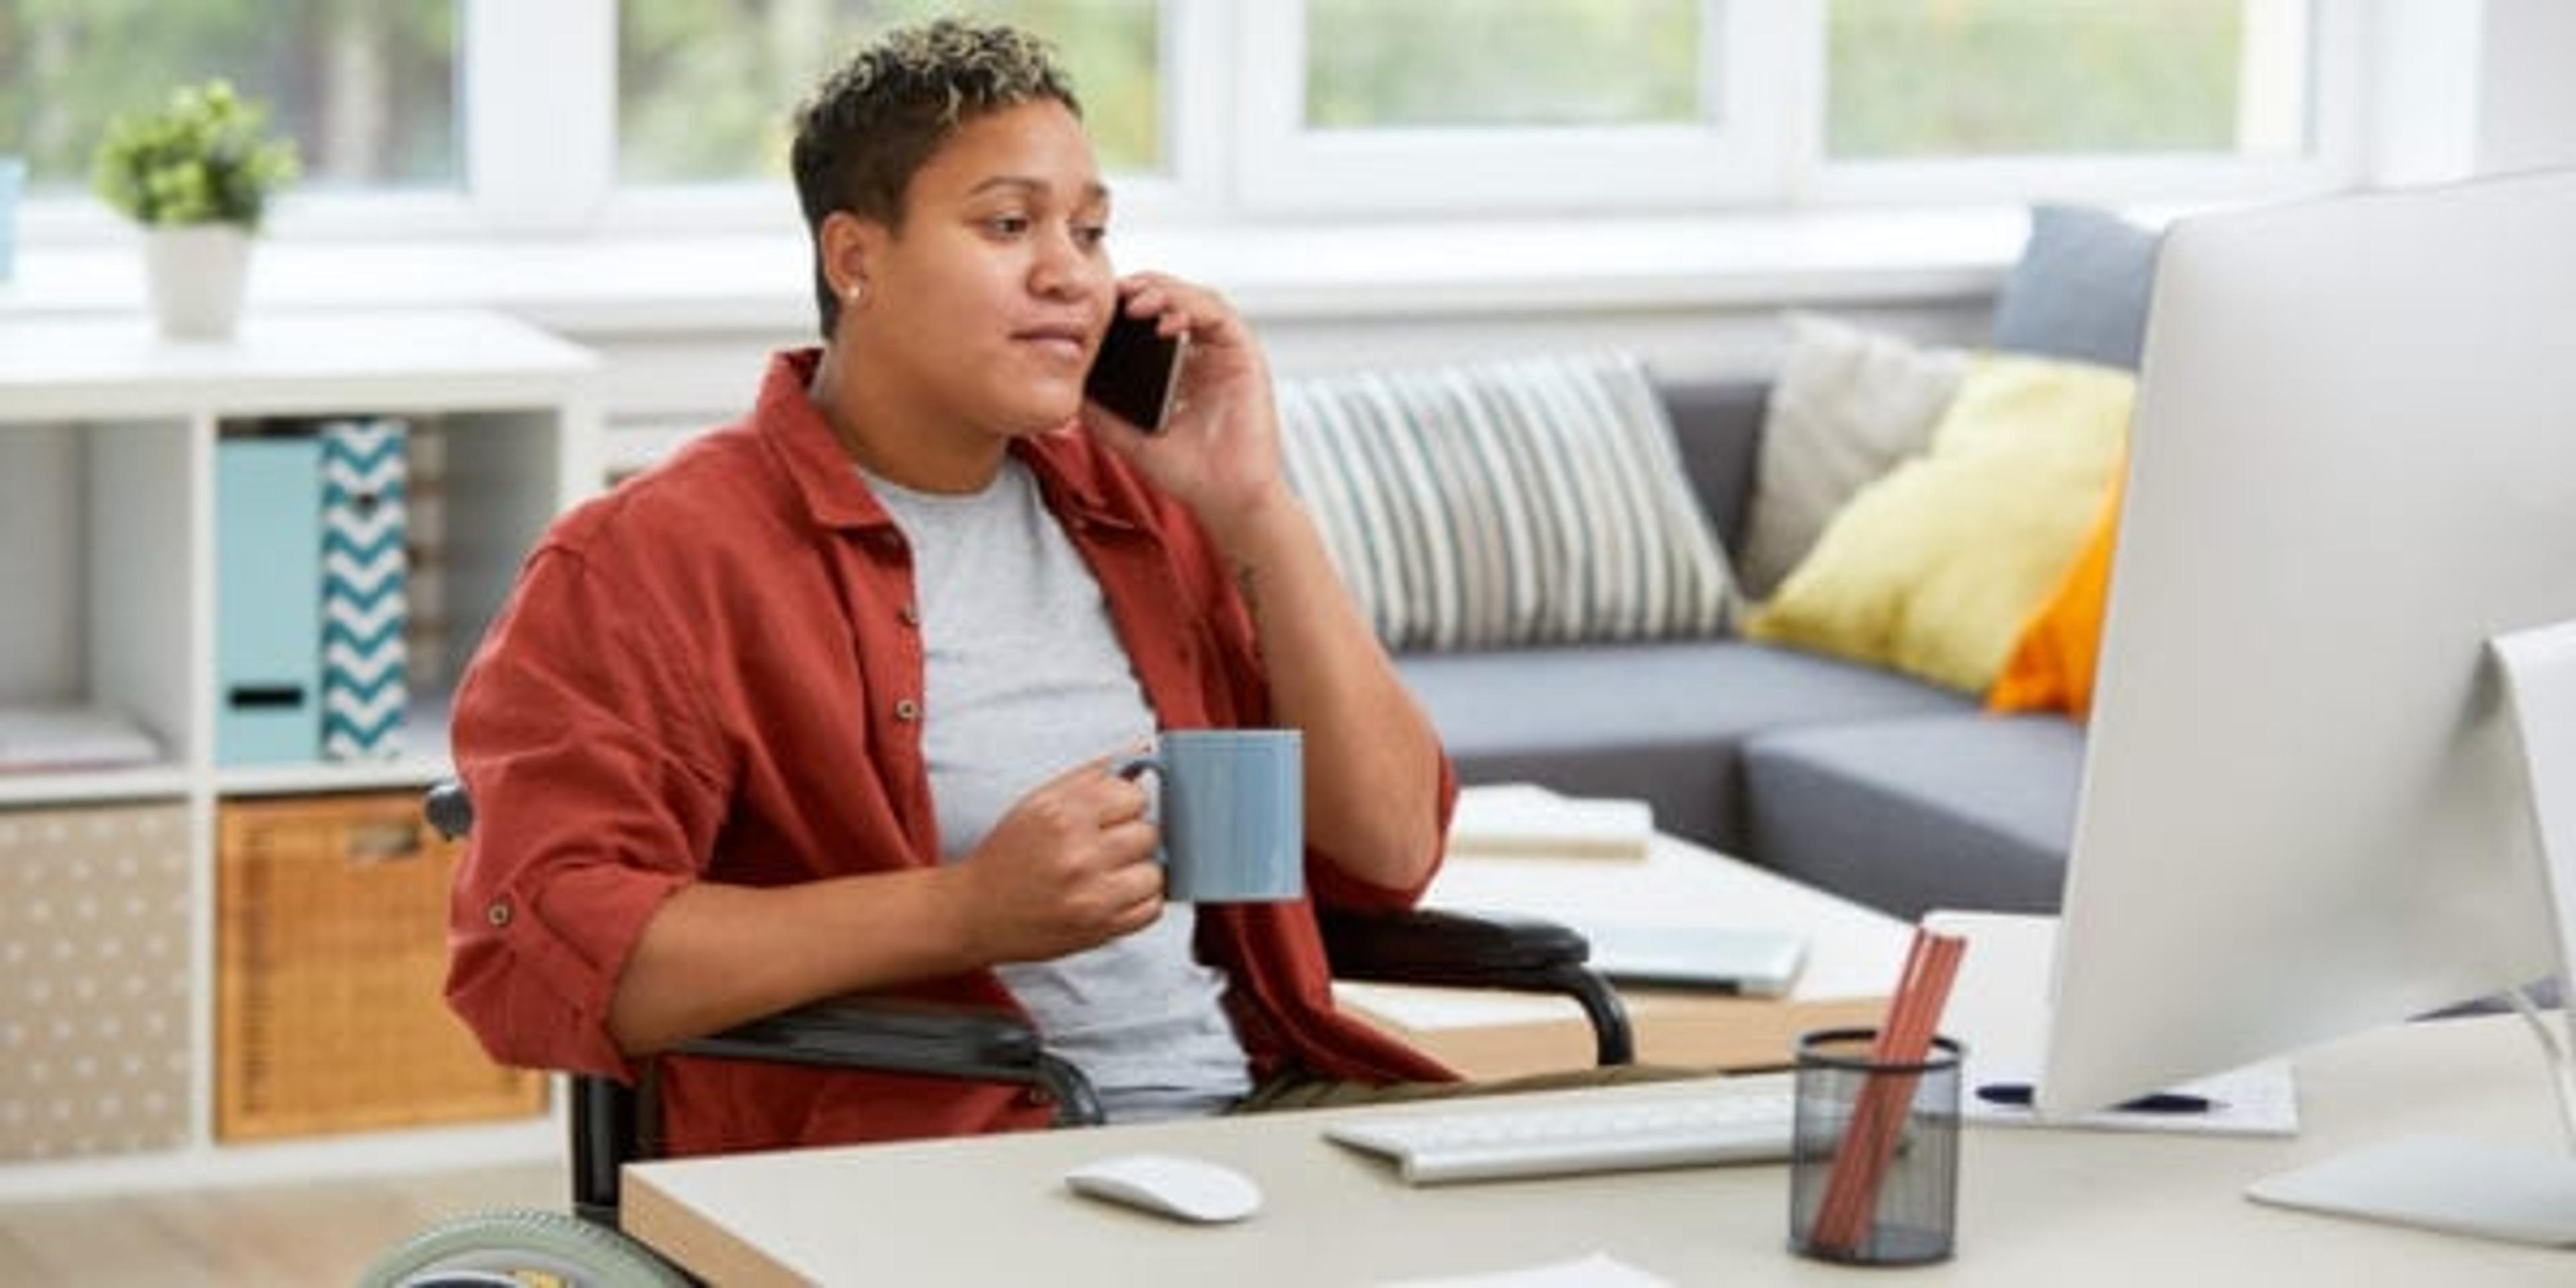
875, 122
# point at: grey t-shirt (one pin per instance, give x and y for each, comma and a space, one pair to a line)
1025, 679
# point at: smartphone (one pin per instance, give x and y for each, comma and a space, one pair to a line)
1136, 372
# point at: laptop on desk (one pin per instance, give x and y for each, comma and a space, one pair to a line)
1751, 963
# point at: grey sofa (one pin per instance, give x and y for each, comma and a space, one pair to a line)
1859, 781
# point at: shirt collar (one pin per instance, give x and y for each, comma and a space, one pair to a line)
833, 494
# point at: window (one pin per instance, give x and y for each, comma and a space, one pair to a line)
657, 116
367, 90
2089, 99
706, 88
1501, 63
1548, 105
1351, 105
1971, 78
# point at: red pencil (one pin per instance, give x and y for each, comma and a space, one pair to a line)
1878, 1118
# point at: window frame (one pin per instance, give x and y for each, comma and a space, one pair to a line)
1193, 147
1737, 157
537, 85
537, 101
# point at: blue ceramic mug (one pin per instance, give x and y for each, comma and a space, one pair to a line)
1233, 813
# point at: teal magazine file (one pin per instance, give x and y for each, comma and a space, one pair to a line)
268, 546
363, 601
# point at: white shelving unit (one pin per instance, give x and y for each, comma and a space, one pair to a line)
107, 597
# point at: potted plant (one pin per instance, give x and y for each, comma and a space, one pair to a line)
197, 174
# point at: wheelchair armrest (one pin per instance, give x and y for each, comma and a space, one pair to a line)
610, 1128
1424, 946
890, 1035
1484, 950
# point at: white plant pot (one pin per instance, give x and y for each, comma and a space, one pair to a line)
197, 272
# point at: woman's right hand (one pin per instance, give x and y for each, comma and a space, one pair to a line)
1069, 867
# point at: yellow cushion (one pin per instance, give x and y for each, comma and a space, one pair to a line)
2051, 667
1934, 568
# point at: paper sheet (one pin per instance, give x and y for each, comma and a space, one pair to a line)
2000, 1009
2257, 1100
1600, 1270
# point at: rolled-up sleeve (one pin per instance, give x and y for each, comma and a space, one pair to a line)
588, 753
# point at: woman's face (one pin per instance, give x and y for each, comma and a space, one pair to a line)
986, 308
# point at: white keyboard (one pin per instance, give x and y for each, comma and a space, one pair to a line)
1494, 1140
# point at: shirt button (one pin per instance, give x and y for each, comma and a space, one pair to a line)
907, 710
498, 913
909, 615
1037, 1097
890, 538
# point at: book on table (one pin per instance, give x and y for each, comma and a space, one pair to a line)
1521, 819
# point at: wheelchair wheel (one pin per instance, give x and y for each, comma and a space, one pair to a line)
520, 1249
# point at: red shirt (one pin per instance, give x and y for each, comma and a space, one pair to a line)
712, 672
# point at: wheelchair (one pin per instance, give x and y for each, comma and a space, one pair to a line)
612, 1123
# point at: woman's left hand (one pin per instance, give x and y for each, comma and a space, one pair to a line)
1218, 452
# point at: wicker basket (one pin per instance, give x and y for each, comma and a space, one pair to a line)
332, 954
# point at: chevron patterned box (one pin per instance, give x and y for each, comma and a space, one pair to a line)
363, 688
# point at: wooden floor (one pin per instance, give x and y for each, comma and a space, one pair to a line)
320, 1234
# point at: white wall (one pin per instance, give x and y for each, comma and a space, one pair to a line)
2527, 99
42, 651
2471, 87
2425, 63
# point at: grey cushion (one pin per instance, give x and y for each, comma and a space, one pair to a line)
2080, 289
1718, 427
1907, 815
1658, 722
1849, 405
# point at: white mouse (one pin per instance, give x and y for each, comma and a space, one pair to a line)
1186, 1188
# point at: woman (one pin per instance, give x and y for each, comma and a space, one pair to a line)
826, 702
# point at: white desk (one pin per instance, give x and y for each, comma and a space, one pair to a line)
2036, 1207
1853, 956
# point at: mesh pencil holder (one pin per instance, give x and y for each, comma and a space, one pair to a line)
1874, 1166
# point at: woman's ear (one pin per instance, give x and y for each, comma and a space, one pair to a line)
848, 246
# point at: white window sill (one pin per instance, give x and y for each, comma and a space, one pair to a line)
646, 284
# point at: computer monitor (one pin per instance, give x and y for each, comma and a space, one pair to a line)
2306, 810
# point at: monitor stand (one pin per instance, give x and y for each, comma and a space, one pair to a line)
2470, 1187
2440, 1183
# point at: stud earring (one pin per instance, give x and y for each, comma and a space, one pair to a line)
855, 292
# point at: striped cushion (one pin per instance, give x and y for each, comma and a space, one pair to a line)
1527, 502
